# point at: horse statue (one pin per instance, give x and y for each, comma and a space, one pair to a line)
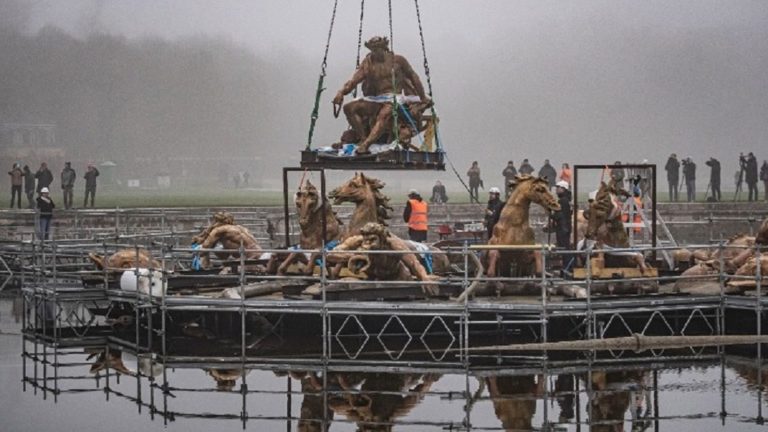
738, 258
312, 210
125, 258
371, 205
223, 229
513, 227
605, 229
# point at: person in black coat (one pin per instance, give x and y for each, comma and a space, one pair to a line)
44, 177
29, 186
45, 208
689, 173
673, 175
561, 219
548, 171
750, 173
714, 178
493, 209
764, 177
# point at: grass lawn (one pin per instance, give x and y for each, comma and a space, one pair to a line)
213, 197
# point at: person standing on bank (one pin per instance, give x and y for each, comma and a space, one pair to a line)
17, 175
68, 176
750, 174
439, 196
526, 168
561, 219
509, 174
45, 208
475, 182
673, 175
764, 177
566, 174
29, 186
90, 184
714, 178
44, 177
689, 173
493, 210
548, 171
415, 215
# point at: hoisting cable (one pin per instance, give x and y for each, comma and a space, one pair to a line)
319, 91
426, 73
395, 129
458, 176
359, 41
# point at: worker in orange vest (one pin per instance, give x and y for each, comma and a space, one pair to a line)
415, 214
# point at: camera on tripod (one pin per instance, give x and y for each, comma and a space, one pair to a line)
742, 161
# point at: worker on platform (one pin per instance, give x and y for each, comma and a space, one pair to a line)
415, 214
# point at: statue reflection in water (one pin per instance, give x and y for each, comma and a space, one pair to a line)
613, 394
374, 401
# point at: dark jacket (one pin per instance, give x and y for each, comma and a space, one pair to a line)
492, 213
689, 171
764, 172
44, 178
525, 168
438, 194
68, 176
714, 174
46, 207
29, 180
561, 219
673, 170
550, 173
90, 178
474, 177
509, 172
751, 170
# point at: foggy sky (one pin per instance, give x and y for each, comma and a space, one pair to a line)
578, 81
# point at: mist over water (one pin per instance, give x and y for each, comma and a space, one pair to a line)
194, 88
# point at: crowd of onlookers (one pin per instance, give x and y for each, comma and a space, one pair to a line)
746, 176
22, 178
681, 173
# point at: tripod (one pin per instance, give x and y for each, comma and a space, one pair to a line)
737, 195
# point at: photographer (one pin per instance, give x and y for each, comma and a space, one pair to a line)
689, 174
750, 171
673, 175
714, 178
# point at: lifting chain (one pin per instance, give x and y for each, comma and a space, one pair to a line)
319, 91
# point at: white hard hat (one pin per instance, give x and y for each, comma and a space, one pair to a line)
563, 184
44, 190
593, 195
494, 190
413, 192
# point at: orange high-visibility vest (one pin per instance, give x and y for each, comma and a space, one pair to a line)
418, 219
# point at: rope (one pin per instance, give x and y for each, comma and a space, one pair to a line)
458, 176
359, 41
319, 91
426, 72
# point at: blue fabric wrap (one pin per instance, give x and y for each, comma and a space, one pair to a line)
196, 262
328, 246
427, 257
